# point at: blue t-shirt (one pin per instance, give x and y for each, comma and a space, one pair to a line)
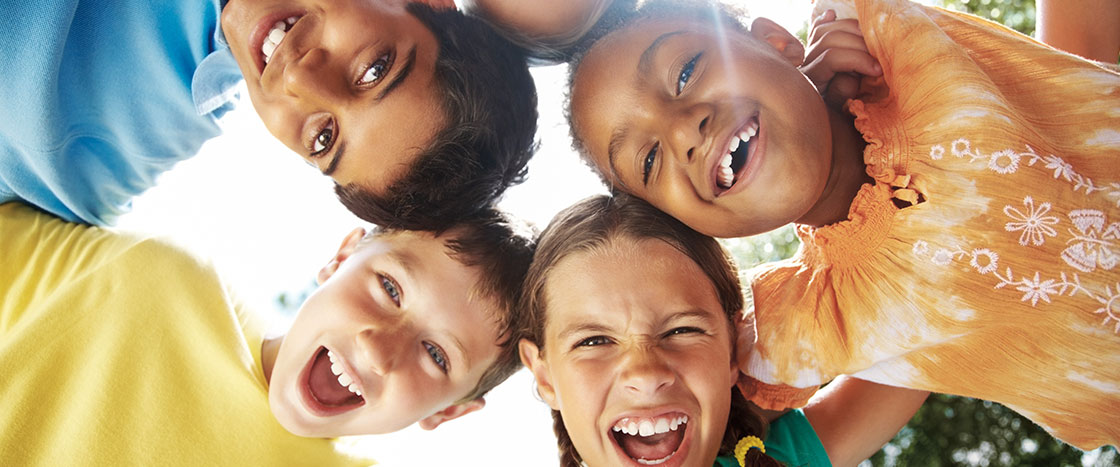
100, 97
791, 441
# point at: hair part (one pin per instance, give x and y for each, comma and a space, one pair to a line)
490, 102
592, 224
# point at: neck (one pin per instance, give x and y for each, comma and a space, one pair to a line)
269, 348
847, 176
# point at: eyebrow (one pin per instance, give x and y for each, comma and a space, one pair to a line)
613, 148
645, 62
462, 354
394, 82
338, 153
405, 70
582, 328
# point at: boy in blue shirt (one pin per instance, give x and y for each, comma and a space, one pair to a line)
102, 97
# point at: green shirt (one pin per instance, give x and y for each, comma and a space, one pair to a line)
792, 442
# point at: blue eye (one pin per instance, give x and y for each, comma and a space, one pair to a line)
686, 72
594, 341
390, 287
647, 164
437, 356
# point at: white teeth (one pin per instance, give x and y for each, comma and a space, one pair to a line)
662, 426
734, 144
726, 177
649, 426
655, 462
632, 428
344, 379
726, 161
645, 428
751, 131
276, 36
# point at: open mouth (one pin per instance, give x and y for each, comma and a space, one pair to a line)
651, 441
739, 151
268, 36
331, 389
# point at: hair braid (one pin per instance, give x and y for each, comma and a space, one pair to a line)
568, 455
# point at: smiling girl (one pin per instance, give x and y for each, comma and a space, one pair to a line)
629, 334
960, 219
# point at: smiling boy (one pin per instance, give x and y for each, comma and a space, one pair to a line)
371, 92
124, 350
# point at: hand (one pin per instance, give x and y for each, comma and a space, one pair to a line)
837, 58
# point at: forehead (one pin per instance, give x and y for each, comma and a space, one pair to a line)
638, 275
387, 132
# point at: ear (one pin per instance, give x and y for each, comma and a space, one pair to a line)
745, 336
781, 40
531, 358
349, 244
451, 413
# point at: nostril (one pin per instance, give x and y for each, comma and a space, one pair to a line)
690, 153
703, 123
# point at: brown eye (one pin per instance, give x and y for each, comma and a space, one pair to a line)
323, 140
375, 71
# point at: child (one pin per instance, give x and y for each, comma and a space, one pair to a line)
630, 336
959, 236
120, 350
383, 96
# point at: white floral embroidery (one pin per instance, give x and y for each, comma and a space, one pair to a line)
942, 257
962, 147
1004, 162
1007, 161
984, 260
1095, 244
1061, 168
1034, 224
937, 152
1035, 289
921, 248
1111, 307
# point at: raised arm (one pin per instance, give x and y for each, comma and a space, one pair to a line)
1089, 28
854, 418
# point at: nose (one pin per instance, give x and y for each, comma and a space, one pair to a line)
382, 345
309, 77
644, 371
687, 131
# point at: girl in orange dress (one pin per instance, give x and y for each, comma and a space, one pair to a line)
960, 219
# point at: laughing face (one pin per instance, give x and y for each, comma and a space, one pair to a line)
712, 125
394, 335
636, 356
348, 85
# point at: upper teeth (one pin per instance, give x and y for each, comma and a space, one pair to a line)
344, 379
649, 426
275, 36
725, 176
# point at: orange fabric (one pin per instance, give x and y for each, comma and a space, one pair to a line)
1002, 280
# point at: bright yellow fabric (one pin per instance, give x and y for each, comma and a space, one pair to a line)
119, 350
1002, 282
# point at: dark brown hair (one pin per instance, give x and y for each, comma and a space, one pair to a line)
500, 248
490, 103
593, 223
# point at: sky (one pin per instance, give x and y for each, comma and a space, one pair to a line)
268, 221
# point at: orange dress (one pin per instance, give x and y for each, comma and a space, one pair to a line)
1000, 279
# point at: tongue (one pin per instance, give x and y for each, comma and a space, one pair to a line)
651, 447
324, 384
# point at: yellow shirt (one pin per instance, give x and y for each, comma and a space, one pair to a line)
1001, 281
119, 350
